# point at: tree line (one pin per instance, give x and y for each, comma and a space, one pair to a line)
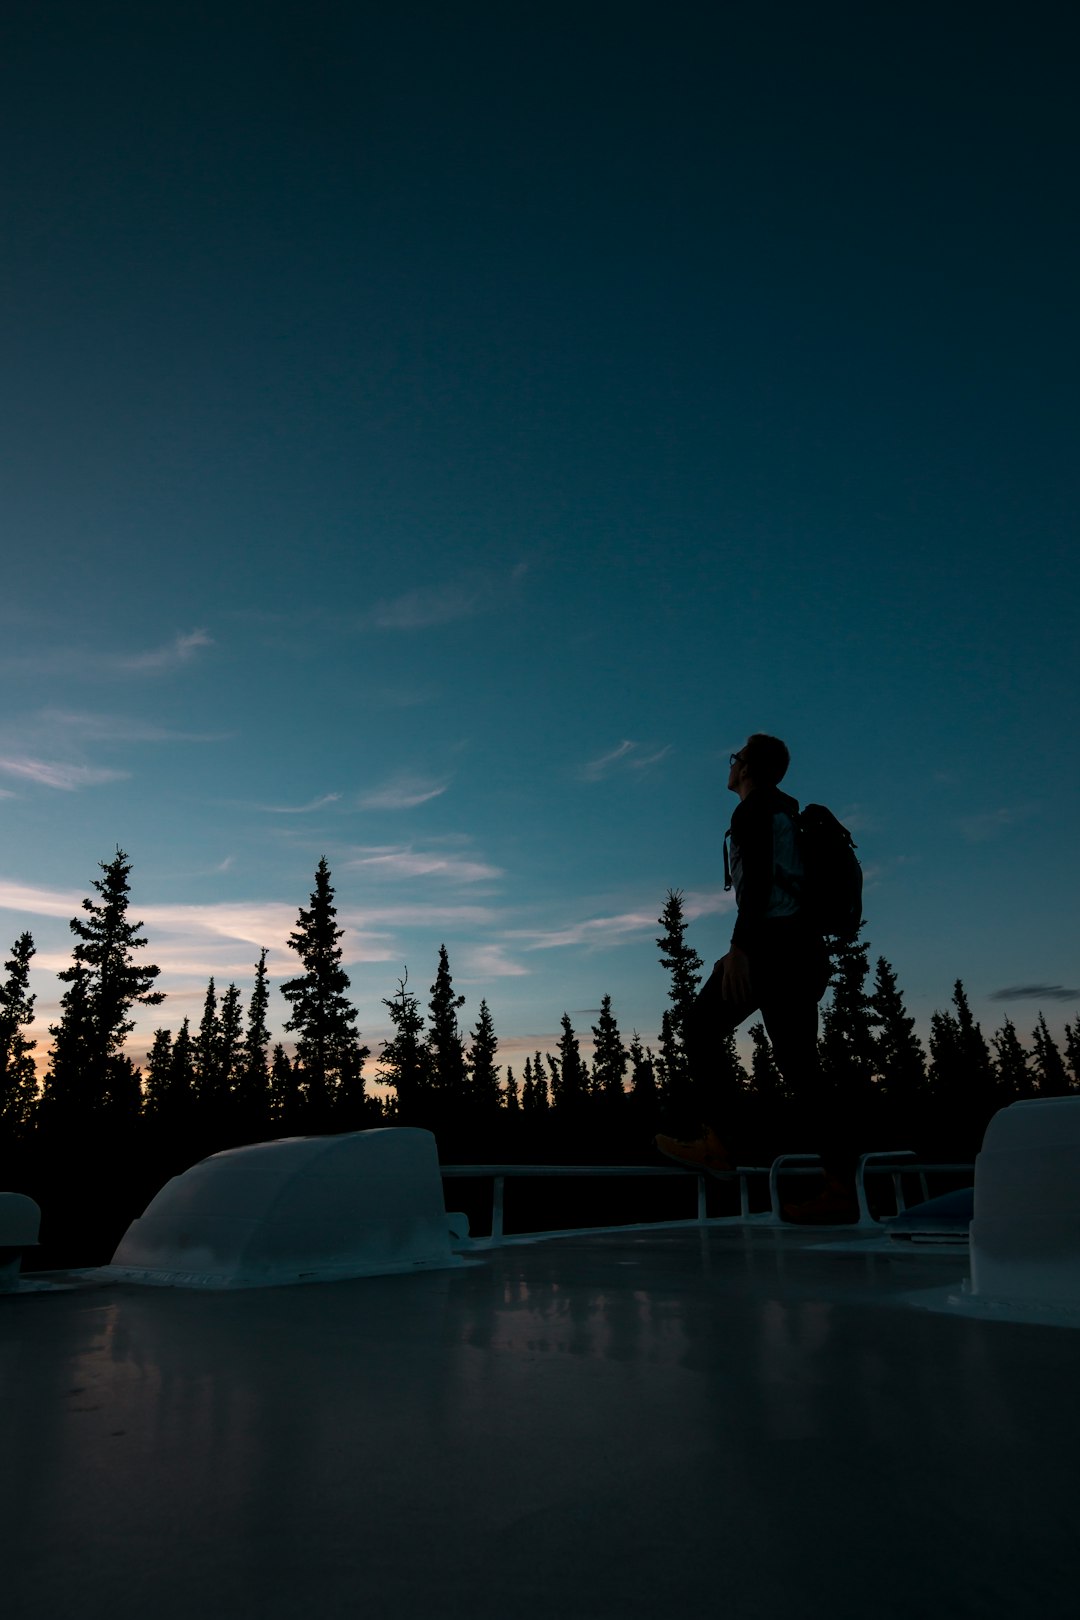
226, 1082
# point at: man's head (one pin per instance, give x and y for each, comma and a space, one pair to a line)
760, 762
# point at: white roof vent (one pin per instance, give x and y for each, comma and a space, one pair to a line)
1025, 1237
305, 1209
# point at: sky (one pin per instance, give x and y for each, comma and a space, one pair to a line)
434, 437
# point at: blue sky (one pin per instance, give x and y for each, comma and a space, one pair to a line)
434, 437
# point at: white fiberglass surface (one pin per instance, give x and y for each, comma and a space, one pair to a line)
731, 1421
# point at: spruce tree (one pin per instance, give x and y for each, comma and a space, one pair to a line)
642, 1079
170, 1081
181, 1093
404, 1062
898, 1054
511, 1099
329, 1058
206, 1060
573, 1071
1048, 1063
847, 1047
541, 1091
252, 1084
18, 1075
231, 1049
533, 1089
158, 1072
483, 1075
1072, 1053
554, 1080
766, 1080
684, 965
446, 1048
610, 1056
285, 1104
90, 1077
1012, 1070
962, 1081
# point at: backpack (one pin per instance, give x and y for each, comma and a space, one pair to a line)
831, 889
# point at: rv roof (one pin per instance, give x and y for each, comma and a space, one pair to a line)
730, 1420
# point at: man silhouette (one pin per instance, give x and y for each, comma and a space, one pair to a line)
777, 965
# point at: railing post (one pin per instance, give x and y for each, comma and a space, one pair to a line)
702, 1207
776, 1170
879, 1157
497, 1209
744, 1195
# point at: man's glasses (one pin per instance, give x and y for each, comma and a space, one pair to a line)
735, 759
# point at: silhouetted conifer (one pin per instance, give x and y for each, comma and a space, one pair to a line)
847, 1047
534, 1095
206, 1060
446, 1048
90, 1078
170, 1081
1048, 1063
898, 1055
285, 1103
610, 1056
766, 1080
511, 1098
681, 1091
963, 1086
182, 1073
483, 1075
231, 1049
329, 1058
1072, 1053
554, 1079
158, 1072
18, 1075
642, 1079
404, 1063
1012, 1070
252, 1083
573, 1071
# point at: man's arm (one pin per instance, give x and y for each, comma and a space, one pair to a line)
752, 831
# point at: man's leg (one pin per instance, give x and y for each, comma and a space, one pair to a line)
793, 981
713, 1081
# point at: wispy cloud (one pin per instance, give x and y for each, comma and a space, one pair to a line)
402, 793
626, 757
480, 962
57, 774
114, 728
991, 823
707, 903
300, 809
181, 650
403, 861
420, 609
593, 931
1035, 992
425, 915
465, 598
203, 939
34, 901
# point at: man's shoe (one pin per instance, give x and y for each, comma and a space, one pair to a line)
704, 1153
836, 1206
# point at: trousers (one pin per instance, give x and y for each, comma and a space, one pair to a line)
789, 974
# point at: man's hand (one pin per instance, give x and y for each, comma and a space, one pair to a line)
735, 985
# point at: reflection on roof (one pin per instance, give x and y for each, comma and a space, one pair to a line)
729, 1418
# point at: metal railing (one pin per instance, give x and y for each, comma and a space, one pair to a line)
895, 1163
